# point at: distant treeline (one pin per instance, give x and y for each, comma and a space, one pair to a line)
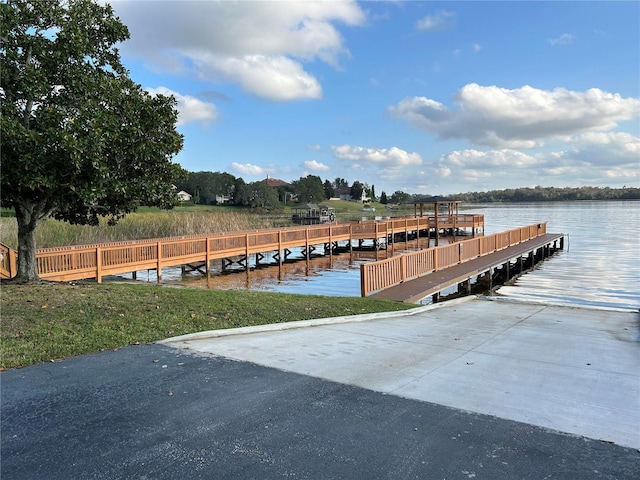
549, 194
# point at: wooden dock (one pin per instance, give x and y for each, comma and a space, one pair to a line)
414, 276
198, 251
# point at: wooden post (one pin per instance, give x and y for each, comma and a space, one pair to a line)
98, 264
159, 264
406, 233
435, 259
207, 256
364, 280
435, 209
246, 252
13, 263
490, 280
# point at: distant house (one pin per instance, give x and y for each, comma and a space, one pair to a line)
275, 182
222, 199
345, 194
184, 196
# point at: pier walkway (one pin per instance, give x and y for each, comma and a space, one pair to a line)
381, 275
431, 284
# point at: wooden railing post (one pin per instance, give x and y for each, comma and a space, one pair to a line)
207, 256
13, 263
364, 281
435, 259
98, 264
351, 238
246, 251
159, 261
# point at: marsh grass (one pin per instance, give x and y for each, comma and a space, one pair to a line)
48, 321
136, 226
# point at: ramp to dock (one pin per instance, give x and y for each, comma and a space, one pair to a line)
413, 291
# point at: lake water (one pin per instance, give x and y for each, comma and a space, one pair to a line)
599, 266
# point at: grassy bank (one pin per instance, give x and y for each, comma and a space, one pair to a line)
50, 321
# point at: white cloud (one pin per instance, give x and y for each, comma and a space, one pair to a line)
190, 108
441, 20
263, 46
594, 156
588, 159
316, 166
564, 39
518, 118
477, 47
247, 169
607, 149
391, 158
468, 159
315, 148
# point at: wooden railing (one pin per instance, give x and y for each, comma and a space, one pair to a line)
8, 262
97, 261
375, 276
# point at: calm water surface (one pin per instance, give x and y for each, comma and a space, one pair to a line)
599, 266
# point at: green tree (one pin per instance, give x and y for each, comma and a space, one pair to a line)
328, 189
241, 194
262, 195
383, 198
309, 189
357, 189
80, 139
400, 197
340, 183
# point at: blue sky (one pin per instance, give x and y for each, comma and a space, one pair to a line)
421, 97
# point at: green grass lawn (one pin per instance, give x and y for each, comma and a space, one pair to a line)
49, 321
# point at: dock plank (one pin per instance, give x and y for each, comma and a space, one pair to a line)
414, 290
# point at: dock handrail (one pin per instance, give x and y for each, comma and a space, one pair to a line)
98, 260
376, 276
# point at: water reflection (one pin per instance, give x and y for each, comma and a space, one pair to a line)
335, 274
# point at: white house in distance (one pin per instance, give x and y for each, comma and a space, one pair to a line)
182, 195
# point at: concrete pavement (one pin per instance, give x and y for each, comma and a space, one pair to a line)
573, 370
473, 389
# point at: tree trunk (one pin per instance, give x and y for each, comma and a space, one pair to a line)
27, 263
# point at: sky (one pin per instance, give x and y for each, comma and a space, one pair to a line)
421, 97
